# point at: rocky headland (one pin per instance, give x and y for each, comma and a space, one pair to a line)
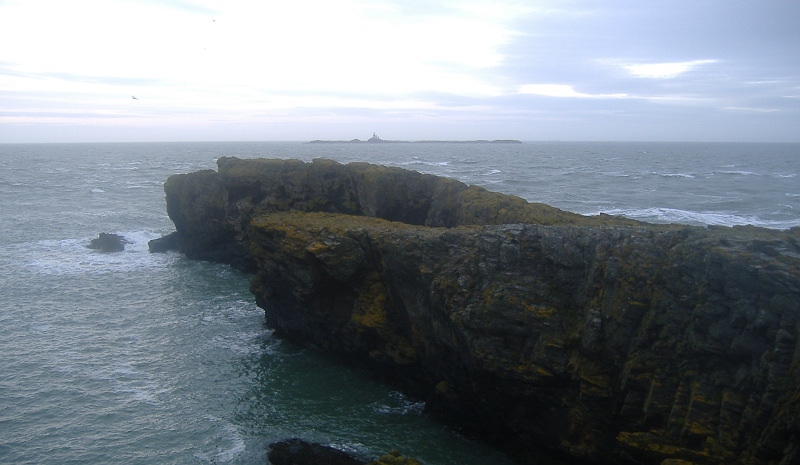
599, 339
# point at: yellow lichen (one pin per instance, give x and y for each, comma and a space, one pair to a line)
656, 445
540, 311
443, 388
395, 458
532, 370
370, 310
316, 248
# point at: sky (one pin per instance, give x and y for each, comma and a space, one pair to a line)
203, 70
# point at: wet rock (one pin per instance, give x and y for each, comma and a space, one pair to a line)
299, 452
108, 243
164, 244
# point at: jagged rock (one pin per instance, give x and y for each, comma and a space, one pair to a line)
108, 243
599, 338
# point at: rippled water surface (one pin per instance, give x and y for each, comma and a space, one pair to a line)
150, 358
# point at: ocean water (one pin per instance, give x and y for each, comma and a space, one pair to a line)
143, 358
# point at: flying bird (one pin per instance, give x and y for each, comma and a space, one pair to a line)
134, 97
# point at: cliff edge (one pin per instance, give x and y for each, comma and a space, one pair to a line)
598, 338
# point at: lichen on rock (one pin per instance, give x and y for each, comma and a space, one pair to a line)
599, 338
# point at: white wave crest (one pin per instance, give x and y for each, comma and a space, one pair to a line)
237, 444
72, 256
678, 175
737, 172
398, 404
230, 434
672, 215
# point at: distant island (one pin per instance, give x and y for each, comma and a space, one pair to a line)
377, 140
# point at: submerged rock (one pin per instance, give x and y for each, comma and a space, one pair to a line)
108, 243
598, 338
299, 452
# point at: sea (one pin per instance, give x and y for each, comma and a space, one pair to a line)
139, 358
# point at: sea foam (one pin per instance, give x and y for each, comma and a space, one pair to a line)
72, 256
672, 215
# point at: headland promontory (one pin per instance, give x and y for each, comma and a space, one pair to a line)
596, 338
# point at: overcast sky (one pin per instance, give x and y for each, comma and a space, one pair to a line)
678, 70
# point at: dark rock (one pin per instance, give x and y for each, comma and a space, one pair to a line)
299, 452
599, 338
108, 243
164, 244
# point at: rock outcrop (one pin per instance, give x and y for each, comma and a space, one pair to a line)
107, 243
597, 338
298, 452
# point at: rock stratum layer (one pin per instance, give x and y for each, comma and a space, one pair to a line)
598, 338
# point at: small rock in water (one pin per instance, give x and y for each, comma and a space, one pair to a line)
107, 242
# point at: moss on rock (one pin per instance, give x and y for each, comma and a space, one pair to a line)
395, 458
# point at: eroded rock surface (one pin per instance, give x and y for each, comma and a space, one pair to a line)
599, 338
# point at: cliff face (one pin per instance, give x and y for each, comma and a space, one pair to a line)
600, 338
211, 210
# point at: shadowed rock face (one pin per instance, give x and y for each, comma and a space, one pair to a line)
107, 242
596, 337
298, 452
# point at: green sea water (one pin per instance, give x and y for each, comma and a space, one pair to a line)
142, 358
